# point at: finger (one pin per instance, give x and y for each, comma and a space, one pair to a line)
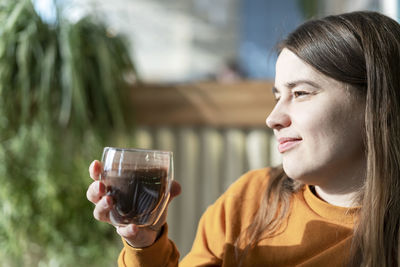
95, 169
175, 190
95, 191
128, 232
102, 209
137, 236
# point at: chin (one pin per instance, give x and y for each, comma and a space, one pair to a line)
298, 173
291, 171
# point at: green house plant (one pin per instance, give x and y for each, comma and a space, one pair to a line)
63, 96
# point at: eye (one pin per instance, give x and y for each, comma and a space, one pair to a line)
300, 93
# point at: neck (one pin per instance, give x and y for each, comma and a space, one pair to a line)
348, 199
342, 188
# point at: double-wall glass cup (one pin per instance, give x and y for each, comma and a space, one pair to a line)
139, 182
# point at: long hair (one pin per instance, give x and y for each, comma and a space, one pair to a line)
362, 50
274, 207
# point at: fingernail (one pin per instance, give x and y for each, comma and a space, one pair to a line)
101, 187
95, 167
98, 167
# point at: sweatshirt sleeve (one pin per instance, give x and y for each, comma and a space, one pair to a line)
209, 244
224, 220
163, 253
207, 248
216, 233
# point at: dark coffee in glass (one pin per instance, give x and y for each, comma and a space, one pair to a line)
138, 182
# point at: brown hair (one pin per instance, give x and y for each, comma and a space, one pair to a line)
362, 50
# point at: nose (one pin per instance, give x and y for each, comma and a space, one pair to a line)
279, 117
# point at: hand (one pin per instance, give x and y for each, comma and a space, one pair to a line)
135, 236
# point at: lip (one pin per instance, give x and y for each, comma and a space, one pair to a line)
287, 143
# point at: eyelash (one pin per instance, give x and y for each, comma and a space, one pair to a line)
300, 93
296, 94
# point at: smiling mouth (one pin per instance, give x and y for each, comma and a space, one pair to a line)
286, 144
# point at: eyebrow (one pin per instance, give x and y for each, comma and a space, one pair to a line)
295, 83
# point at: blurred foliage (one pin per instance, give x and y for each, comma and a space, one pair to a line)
309, 8
63, 96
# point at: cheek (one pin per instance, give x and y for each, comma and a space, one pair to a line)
315, 123
324, 126
331, 132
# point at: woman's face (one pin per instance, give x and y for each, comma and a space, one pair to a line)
318, 123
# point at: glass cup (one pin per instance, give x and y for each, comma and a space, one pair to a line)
139, 182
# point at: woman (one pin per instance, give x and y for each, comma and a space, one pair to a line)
336, 202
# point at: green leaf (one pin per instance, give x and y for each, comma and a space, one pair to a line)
63, 97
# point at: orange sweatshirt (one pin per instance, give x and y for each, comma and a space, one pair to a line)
316, 233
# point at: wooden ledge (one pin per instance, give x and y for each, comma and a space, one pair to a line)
241, 104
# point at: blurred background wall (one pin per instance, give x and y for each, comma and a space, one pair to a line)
186, 40
204, 51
